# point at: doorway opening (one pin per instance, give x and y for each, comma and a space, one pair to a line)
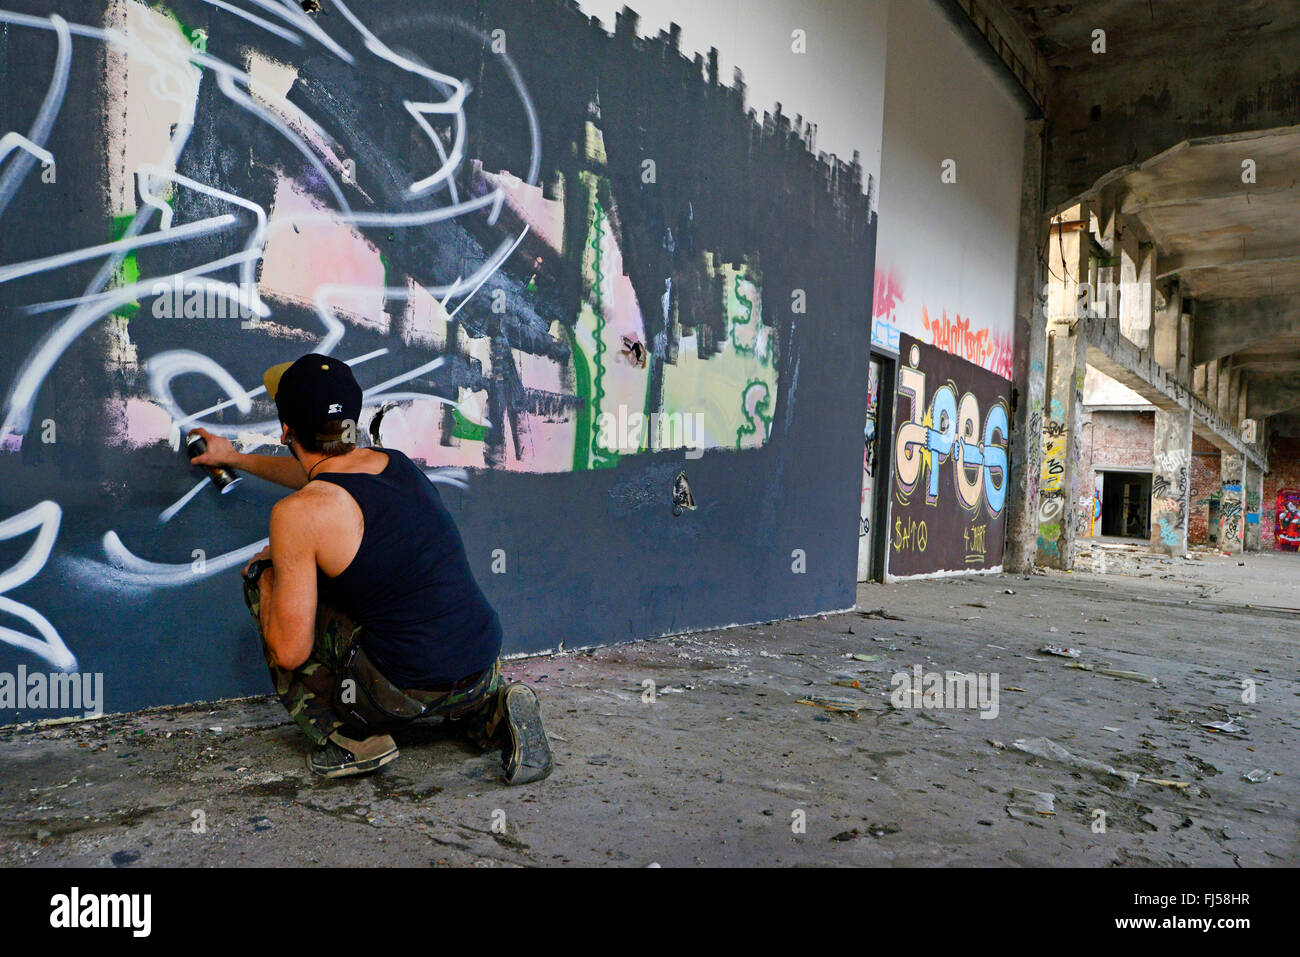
1126, 505
877, 465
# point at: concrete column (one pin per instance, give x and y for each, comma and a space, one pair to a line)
1222, 388
1164, 341
1185, 349
1232, 473
1059, 480
1254, 492
1063, 413
1170, 482
1029, 365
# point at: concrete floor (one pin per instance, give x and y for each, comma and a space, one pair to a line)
726, 759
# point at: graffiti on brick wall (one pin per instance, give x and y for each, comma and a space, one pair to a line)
1098, 487
950, 483
1287, 523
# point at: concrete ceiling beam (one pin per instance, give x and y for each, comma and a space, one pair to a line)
1272, 395
1225, 326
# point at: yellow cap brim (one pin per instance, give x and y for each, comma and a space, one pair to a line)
271, 378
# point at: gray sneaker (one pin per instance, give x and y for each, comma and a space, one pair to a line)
526, 754
340, 756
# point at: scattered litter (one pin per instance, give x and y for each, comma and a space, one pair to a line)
215, 727
976, 604
1226, 727
998, 647
1011, 688
1078, 666
840, 705
874, 830
861, 657
1106, 727
1027, 805
1257, 776
1049, 750
1128, 675
880, 613
1058, 651
847, 683
997, 744
1164, 782
1053, 629
1008, 592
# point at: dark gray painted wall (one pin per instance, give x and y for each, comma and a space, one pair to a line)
593, 556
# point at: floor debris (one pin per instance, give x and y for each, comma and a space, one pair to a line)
1031, 806
1049, 750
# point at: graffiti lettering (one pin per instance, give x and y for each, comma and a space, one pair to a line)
910, 535
949, 429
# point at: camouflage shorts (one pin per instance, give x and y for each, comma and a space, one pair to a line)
307, 691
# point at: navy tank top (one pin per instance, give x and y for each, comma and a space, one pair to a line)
426, 623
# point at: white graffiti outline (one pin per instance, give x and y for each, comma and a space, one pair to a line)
46, 518
97, 302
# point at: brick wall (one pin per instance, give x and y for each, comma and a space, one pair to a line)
1121, 441
1284, 462
1205, 485
1111, 441
1116, 441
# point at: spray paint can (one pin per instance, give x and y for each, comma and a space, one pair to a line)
223, 478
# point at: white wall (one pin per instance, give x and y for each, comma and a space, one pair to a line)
839, 83
948, 247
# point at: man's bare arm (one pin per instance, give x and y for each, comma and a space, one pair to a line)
288, 588
280, 469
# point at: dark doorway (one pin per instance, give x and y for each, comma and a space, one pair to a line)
1126, 504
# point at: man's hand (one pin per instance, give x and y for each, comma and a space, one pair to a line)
264, 553
220, 453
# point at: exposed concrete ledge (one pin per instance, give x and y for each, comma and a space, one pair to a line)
1119, 358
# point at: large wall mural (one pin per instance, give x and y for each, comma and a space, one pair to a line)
561, 262
951, 425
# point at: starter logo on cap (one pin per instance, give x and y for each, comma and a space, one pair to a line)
335, 407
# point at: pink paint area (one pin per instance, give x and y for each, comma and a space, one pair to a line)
545, 217
136, 423
887, 294
416, 429
321, 253
619, 305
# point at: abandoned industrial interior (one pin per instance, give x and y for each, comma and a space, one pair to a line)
875, 425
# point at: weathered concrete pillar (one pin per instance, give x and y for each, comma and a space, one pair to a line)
1232, 473
1164, 340
1254, 493
1185, 349
1063, 409
1170, 482
1029, 365
1059, 479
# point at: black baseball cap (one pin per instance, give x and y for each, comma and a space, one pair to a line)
313, 391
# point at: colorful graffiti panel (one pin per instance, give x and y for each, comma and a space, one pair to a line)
1287, 527
951, 429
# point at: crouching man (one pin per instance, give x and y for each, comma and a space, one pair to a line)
369, 614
